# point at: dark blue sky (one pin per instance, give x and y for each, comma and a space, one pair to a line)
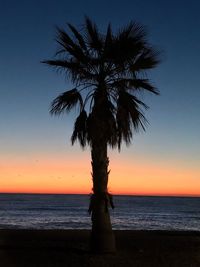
27, 30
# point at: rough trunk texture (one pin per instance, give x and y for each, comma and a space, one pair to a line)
102, 237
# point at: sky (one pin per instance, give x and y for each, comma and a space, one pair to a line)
36, 155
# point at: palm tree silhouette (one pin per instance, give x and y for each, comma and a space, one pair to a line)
108, 71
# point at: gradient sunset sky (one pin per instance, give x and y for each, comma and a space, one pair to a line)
36, 154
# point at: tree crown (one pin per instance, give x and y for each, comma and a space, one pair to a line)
107, 70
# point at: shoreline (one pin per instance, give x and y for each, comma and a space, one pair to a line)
158, 248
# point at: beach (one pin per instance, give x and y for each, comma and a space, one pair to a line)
71, 248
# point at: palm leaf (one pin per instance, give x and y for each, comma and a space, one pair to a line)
143, 84
148, 59
128, 43
129, 115
80, 129
78, 36
65, 102
93, 36
70, 46
108, 41
123, 126
134, 84
133, 30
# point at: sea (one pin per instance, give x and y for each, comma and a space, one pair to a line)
38, 211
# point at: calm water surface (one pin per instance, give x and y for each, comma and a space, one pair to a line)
28, 211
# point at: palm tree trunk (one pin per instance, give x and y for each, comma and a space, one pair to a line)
102, 237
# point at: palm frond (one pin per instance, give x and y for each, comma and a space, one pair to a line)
74, 70
123, 126
129, 115
78, 36
148, 59
93, 36
70, 46
129, 42
108, 41
80, 129
62, 64
65, 102
134, 31
143, 84
133, 84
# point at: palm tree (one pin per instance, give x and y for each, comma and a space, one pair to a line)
108, 72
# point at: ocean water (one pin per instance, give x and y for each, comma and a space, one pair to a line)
32, 211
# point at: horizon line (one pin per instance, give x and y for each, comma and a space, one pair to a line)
117, 194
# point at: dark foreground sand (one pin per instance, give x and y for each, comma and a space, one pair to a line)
70, 248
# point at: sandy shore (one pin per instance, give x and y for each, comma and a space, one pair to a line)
70, 248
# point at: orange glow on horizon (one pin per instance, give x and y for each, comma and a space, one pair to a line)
71, 175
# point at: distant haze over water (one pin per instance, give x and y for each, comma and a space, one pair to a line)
38, 211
